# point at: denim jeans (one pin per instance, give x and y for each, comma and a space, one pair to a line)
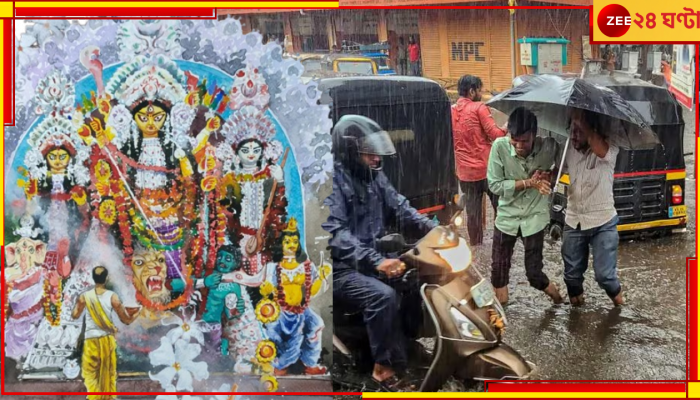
602, 242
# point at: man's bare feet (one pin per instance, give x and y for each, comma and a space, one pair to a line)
382, 372
577, 301
502, 294
553, 292
619, 299
280, 372
386, 378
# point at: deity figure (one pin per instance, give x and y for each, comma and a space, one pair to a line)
253, 188
293, 281
25, 280
141, 123
230, 306
56, 189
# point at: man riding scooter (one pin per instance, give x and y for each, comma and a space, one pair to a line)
362, 204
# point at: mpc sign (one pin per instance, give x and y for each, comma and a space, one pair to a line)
467, 51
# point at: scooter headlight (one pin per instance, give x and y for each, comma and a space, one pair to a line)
458, 257
466, 328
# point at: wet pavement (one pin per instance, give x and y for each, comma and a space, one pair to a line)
643, 340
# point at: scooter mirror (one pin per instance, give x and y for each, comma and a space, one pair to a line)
393, 243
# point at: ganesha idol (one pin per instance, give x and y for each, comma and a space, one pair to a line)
25, 280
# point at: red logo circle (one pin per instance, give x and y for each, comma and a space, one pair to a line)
614, 20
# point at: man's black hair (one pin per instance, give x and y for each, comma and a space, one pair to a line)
522, 121
99, 275
468, 82
595, 122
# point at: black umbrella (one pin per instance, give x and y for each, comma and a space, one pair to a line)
552, 97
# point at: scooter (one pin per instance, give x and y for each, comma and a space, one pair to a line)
462, 313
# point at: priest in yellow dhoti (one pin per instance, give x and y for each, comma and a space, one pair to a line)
100, 349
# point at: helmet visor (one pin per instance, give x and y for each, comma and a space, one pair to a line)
378, 143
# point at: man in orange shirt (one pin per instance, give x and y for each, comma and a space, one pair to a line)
474, 130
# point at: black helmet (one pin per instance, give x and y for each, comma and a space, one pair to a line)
354, 135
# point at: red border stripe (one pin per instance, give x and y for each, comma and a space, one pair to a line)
22, 12
588, 387
8, 114
693, 321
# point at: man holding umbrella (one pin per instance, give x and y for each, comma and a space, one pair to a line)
591, 218
596, 121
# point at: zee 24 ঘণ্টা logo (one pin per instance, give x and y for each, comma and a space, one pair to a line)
614, 20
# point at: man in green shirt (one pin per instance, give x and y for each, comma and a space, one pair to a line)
519, 172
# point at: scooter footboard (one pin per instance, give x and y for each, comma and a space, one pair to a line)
498, 363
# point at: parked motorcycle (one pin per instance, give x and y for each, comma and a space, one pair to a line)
461, 313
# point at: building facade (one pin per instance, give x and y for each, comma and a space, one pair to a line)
453, 42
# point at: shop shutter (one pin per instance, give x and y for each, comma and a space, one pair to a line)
479, 45
500, 60
430, 43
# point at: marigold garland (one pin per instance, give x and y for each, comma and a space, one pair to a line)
54, 320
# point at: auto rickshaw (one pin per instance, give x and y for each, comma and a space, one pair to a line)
649, 185
358, 64
417, 115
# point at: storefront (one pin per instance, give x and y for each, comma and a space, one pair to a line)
359, 26
310, 32
479, 42
453, 42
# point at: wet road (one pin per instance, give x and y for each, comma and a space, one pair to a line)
643, 340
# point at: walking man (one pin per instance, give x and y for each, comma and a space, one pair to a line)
519, 171
402, 59
99, 362
473, 130
591, 218
414, 56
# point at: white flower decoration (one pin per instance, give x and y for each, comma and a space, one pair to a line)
55, 93
187, 328
174, 397
26, 49
181, 118
46, 28
179, 363
120, 121
225, 153
273, 150
77, 119
33, 158
225, 388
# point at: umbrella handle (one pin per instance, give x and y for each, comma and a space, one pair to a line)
561, 165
